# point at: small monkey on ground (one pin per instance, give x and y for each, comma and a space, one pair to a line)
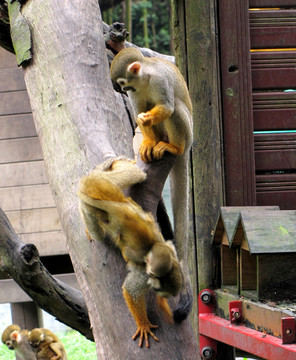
17, 339
152, 262
47, 345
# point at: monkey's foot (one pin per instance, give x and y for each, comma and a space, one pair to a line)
89, 238
146, 149
162, 146
143, 331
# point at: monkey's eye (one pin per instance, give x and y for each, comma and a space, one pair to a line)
121, 82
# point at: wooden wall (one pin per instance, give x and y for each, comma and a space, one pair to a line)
24, 191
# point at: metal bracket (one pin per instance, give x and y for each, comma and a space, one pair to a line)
207, 345
236, 312
213, 329
289, 330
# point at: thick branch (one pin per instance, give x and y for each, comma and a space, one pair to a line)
21, 261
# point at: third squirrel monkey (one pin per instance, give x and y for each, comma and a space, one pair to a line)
152, 262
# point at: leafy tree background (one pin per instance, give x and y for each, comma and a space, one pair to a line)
150, 23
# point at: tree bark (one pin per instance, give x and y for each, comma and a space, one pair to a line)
81, 122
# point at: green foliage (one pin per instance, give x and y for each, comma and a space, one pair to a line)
150, 23
76, 345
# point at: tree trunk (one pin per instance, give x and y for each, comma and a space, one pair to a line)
80, 122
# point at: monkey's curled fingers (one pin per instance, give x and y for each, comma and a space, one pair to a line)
146, 149
144, 330
144, 119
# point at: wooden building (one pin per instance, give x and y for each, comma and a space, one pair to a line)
25, 195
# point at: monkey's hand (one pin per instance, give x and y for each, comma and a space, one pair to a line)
145, 119
146, 149
137, 307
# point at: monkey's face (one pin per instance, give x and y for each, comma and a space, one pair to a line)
158, 261
134, 79
35, 337
9, 344
125, 85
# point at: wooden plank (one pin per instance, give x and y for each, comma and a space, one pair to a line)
274, 119
17, 126
248, 271
27, 173
286, 200
26, 197
274, 78
258, 316
228, 266
12, 293
17, 150
271, 3
272, 29
15, 102
237, 103
12, 79
270, 231
48, 243
27, 315
7, 59
274, 110
275, 151
36, 220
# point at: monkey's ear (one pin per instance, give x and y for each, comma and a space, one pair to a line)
134, 68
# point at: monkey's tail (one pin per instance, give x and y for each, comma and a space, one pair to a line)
185, 303
179, 184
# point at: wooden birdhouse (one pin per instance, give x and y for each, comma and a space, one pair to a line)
225, 229
267, 253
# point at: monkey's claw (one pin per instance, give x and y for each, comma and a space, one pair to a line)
143, 331
146, 149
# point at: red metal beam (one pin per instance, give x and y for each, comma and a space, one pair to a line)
241, 337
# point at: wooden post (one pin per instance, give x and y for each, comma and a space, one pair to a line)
194, 25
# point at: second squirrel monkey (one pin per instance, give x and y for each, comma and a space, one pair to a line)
17, 339
104, 206
160, 99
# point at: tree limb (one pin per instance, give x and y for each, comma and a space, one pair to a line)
21, 261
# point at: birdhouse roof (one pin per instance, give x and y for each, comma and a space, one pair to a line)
228, 220
267, 231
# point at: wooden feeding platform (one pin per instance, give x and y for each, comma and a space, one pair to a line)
267, 253
227, 226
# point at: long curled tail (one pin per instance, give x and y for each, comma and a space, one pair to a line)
185, 303
180, 198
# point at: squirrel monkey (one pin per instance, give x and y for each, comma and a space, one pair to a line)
160, 99
151, 261
47, 345
16, 339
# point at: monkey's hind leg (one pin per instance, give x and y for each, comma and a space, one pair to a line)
162, 146
134, 289
138, 309
148, 142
